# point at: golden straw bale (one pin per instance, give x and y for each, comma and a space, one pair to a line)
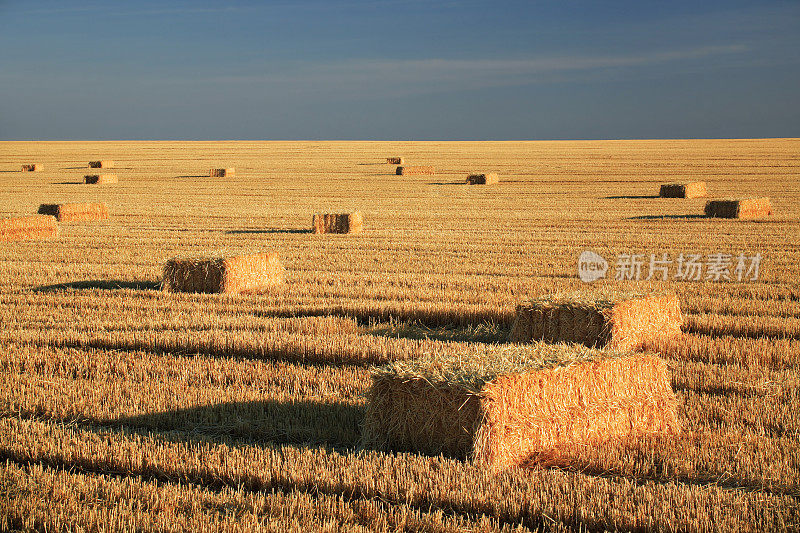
229, 275
505, 406
337, 222
101, 164
223, 172
619, 320
694, 189
394, 160
32, 227
744, 208
33, 167
414, 171
75, 212
483, 179
100, 179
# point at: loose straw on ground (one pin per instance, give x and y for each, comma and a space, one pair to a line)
34, 227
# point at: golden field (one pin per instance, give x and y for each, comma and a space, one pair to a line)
124, 407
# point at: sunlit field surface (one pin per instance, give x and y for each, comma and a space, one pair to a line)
125, 407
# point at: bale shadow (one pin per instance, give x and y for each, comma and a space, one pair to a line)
197, 176
67, 183
102, 284
462, 182
373, 164
666, 217
79, 168
268, 230
334, 424
632, 197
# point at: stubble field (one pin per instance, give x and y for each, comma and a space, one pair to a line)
125, 407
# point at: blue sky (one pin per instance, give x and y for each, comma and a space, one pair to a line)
398, 69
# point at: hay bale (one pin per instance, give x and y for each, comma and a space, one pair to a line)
414, 171
223, 172
483, 179
337, 223
101, 164
228, 275
33, 167
743, 208
618, 320
694, 189
394, 160
100, 179
504, 406
75, 212
32, 227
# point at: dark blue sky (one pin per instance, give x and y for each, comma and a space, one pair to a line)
398, 69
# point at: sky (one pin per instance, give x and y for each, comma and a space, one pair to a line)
398, 70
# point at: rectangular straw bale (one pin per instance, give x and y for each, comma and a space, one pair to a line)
100, 179
742, 208
505, 406
337, 222
489, 178
33, 167
227, 275
75, 212
101, 164
694, 189
394, 160
223, 172
619, 320
415, 171
32, 227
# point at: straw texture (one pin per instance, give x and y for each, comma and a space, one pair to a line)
246, 273
619, 320
744, 208
75, 212
337, 222
506, 406
32, 227
695, 189
483, 179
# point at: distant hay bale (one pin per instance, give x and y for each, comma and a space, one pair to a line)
34, 227
414, 171
223, 172
394, 160
483, 179
337, 223
231, 275
743, 208
33, 167
75, 212
505, 406
101, 164
618, 320
694, 189
100, 179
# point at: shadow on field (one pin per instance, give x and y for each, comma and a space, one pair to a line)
462, 182
313, 423
268, 230
632, 197
113, 284
79, 168
67, 183
198, 176
665, 217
